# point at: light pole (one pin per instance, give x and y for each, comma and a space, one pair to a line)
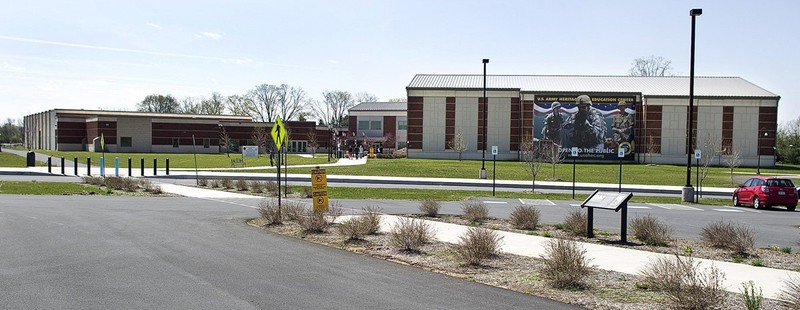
688, 190
485, 114
758, 153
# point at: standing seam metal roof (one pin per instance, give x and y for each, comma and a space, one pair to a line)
379, 106
648, 86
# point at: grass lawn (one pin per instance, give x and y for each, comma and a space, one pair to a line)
47, 188
11, 160
204, 161
592, 173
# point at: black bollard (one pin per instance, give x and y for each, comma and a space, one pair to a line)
49, 164
141, 165
75, 164
129, 167
62, 165
155, 166
167, 166
88, 166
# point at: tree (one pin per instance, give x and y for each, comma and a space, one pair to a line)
190, 105
239, 105
290, 101
389, 141
733, 160
11, 131
457, 143
264, 104
333, 108
313, 141
159, 104
652, 147
398, 99
532, 155
225, 141
651, 66
260, 136
365, 97
787, 141
711, 146
214, 105
552, 154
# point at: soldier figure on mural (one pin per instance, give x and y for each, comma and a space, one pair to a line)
621, 126
553, 123
588, 124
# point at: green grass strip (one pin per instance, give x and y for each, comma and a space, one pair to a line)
48, 188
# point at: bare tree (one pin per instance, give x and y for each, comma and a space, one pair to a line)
239, 105
651, 66
190, 105
365, 97
333, 108
733, 160
264, 106
532, 155
651, 147
458, 143
290, 102
214, 105
225, 141
709, 151
260, 136
389, 141
552, 153
159, 104
398, 99
313, 141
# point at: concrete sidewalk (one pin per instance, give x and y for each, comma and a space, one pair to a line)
611, 258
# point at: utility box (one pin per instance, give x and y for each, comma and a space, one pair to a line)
30, 159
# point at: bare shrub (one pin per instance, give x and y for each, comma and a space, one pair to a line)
313, 222
372, 219
270, 211
335, 210
226, 183
683, 281
575, 222
409, 235
215, 183
565, 264
114, 182
241, 185
256, 186
430, 207
354, 228
308, 192
525, 217
477, 245
202, 181
149, 186
475, 211
651, 231
789, 297
98, 181
738, 238
272, 187
292, 210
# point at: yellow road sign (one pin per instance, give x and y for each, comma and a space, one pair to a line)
319, 190
102, 141
278, 132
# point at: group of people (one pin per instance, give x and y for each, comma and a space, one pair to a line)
355, 152
587, 127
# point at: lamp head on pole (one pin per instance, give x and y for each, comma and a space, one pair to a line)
695, 12
486, 60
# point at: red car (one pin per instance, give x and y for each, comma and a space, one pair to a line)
762, 192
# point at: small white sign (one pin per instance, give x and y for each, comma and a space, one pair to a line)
574, 151
698, 154
494, 149
250, 151
620, 152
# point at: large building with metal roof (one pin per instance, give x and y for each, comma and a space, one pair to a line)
382, 124
646, 116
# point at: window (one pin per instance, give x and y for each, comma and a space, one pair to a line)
206, 143
375, 125
125, 142
363, 125
402, 125
176, 142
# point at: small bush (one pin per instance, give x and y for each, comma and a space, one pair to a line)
97, 181
202, 181
477, 245
308, 192
727, 235
270, 212
293, 210
789, 297
372, 219
753, 300
684, 283
313, 222
114, 182
651, 231
226, 183
575, 222
787, 250
525, 217
335, 210
215, 183
354, 228
256, 186
409, 235
149, 187
272, 187
430, 208
241, 185
475, 211
565, 264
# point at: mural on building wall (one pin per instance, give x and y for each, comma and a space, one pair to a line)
596, 124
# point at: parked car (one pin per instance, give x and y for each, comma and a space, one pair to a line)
763, 192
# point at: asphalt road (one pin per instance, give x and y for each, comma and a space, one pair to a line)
74, 252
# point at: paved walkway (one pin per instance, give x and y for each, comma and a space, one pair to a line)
603, 257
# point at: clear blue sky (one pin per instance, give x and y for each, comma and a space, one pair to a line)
111, 54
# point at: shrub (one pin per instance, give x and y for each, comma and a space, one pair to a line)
271, 187
565, 264
575, 222
215, 183
270, 212
226, 183
97, 181
202, 181
308, 192
727, 235
789, 297
753, 300
651, 231
293, 210
371, 219
256, 186
149, 187
410, 235
477, 244
430, 207
313, 222
684, 283
241, 185
114, 182
475, 211
354, 228
525, 217
335, 210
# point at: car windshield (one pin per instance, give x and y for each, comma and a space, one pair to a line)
780, 182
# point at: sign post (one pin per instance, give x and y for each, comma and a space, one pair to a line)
319, 190
494, 167
278, 132
574, 154
697, 155
620, 155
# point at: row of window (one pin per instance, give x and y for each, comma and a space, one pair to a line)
128, 142
376, 125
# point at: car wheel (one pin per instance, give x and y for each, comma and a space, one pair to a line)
756, 203
736, 200
791, 208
